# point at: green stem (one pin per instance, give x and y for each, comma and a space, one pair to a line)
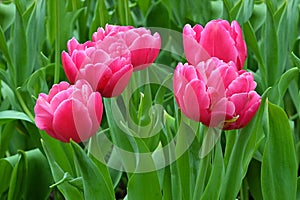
126, 12
23, 105
101, 13
57, 43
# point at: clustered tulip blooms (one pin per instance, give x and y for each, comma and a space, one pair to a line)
213, 88
101, 67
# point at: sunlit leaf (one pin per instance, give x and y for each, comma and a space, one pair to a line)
279, 165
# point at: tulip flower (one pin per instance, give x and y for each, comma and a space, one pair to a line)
69, 111
216, 93
106, 66
144, 47
217, 39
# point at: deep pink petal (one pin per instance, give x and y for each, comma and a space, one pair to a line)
118, 82
69, 67
195, 99
56, 88
43, 113
216, 40
94, 74
71, 121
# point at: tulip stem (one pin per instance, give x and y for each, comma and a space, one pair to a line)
57, 43
23, 105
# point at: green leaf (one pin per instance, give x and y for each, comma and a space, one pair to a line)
94, 183
295, 60
144, 5
183, 158
213, 187
4, 50
158, 16
253, 44
5, 175
18, 178
258, 16
14, 115
20, 48
271, 42
100, 16
278, 91
58, 167
279, 165
35, 32
5, 136
7, 15
39, 176
254, 179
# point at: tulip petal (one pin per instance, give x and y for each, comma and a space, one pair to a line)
118, 82
71, 121
69, 67
216, 40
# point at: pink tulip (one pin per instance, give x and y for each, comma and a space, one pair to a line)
216, 93
69, 111
217, 39
143, 46
106, 66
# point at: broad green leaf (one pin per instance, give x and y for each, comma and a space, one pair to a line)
60, 153
35, 32
7, 15
295, 60
119, 137
69, 191
253, 44
213, 187
258, 16
19, 178
124, 14
5, 175
140, 189
183, 169
100, 17
158, 16
278, 91
144, 5
96, 154
4, 50
5, 137
167, 136
14, 115
20, 57
254, 179
271, 42
298, 187
94, 183
279, 165
39, 176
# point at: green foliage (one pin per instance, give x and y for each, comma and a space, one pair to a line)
260, 161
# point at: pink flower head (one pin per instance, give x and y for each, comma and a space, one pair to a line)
144, 47
106, 66
216, 93
69, 111
217, 39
